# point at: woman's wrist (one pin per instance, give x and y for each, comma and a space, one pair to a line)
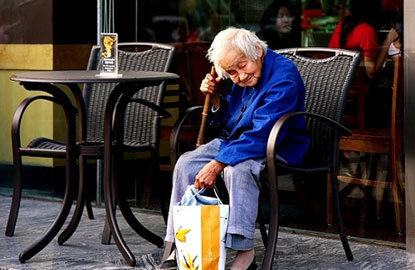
215, 103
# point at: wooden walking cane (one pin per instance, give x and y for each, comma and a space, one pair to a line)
205, 112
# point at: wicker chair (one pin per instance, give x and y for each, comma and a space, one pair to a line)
141, 133
327, 75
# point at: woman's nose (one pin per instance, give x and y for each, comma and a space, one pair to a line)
242, 76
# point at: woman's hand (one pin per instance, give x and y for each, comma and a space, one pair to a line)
209, 85
392, 36
208, 174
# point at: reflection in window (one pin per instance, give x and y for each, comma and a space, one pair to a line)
205, 18
47, 22
25, 21
281, 24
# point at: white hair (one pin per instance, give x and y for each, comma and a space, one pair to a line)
234, 39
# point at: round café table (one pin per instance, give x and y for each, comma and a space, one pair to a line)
128, 83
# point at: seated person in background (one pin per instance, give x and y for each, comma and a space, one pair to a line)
281, 25
391, 47
266, 86
380, 93
356, 32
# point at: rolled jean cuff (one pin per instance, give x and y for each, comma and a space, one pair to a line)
238, 242
169, 239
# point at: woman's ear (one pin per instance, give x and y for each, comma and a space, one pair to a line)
259, 50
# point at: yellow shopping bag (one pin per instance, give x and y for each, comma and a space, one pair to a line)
200, 232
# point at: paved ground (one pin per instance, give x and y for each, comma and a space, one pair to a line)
84, 250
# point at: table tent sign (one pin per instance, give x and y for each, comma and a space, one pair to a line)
109, 55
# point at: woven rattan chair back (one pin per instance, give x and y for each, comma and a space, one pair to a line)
141, 124
327, 81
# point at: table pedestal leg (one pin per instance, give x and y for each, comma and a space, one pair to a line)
80, 203
108, 177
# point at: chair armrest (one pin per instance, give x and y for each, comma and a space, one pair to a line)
179, 131
18, 115
275, 132
59, 95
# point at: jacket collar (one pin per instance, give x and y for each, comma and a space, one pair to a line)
266, 70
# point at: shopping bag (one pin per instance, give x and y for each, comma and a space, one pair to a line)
200, 224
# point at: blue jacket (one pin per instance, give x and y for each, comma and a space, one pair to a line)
248, 114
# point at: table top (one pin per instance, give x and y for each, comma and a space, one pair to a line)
90, 76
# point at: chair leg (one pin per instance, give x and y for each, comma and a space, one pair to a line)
164, 205
273, 222
397, 195
154, 173
337, 213
80, 202
379, 190
164, 208
89, 208
329, 203
88, 204
17, 193
149, 178
396, 203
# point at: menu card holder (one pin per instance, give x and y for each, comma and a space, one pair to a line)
109, 55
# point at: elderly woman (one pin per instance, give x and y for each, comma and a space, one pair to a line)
266, 86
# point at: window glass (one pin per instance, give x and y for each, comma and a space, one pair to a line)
190, 25
25, 21
368, 211
47, 22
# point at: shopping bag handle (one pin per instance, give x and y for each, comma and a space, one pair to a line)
216, 194
203, 189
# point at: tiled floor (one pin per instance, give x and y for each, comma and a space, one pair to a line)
84, 250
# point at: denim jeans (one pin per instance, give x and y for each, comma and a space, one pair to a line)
241, 183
